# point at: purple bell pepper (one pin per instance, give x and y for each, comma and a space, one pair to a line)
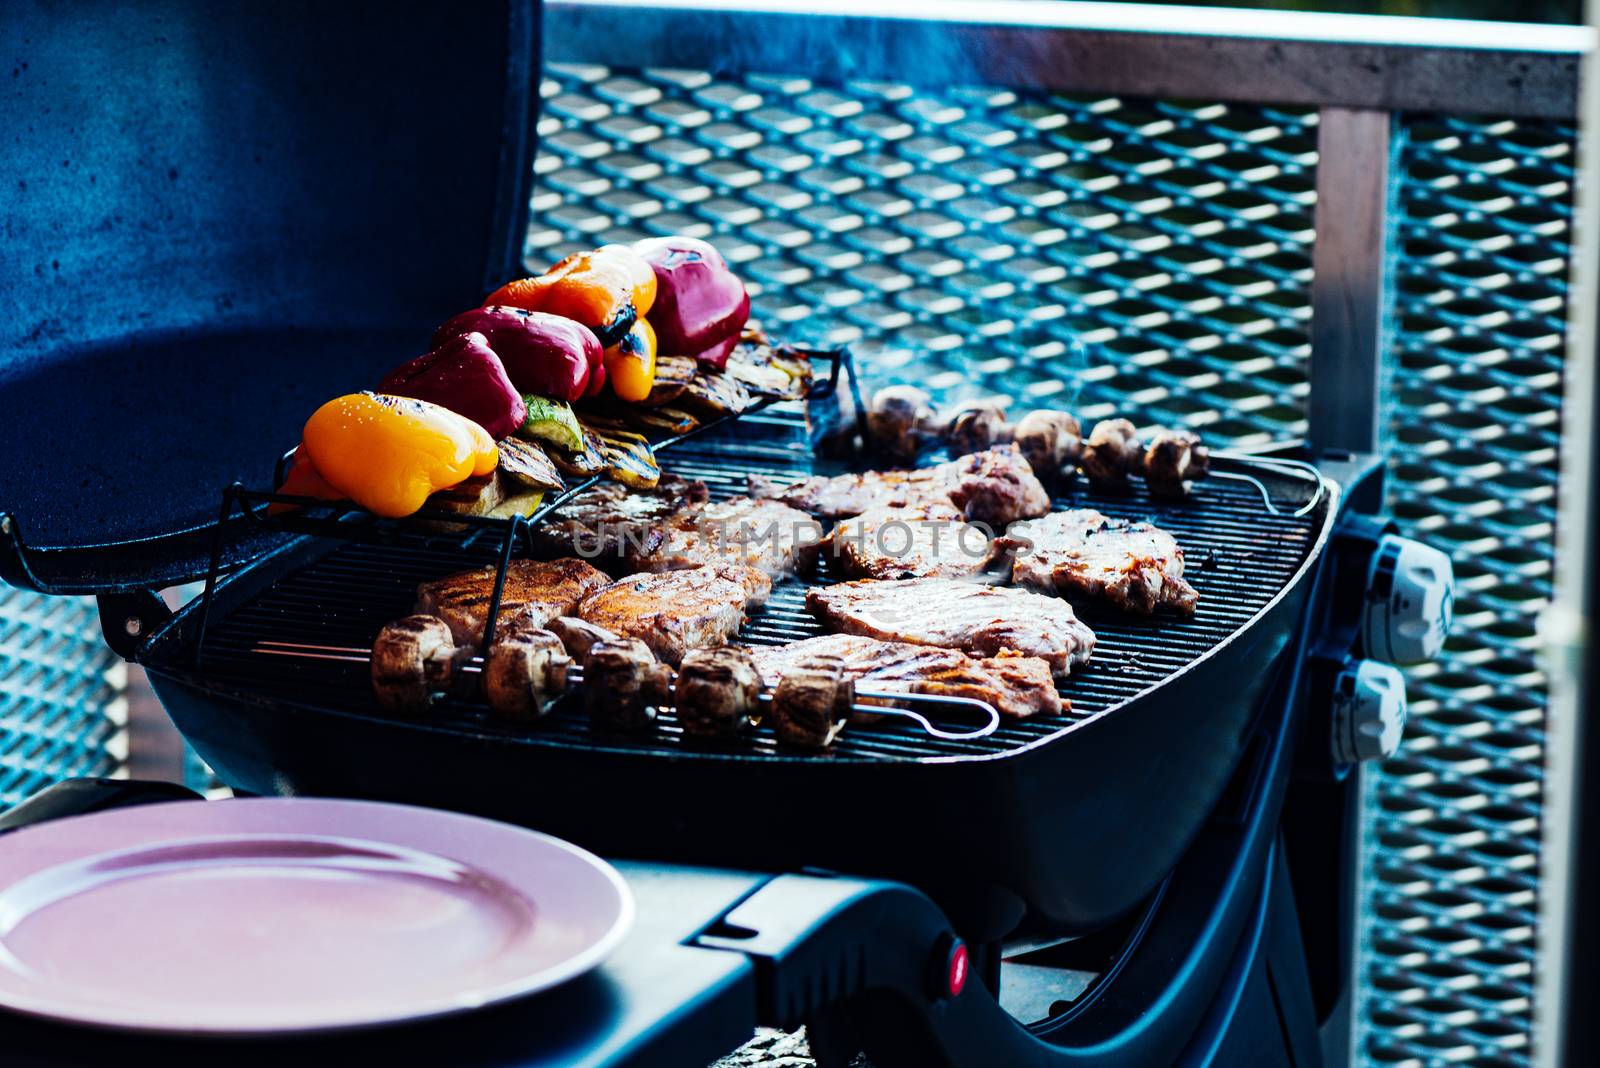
701, 306
464, 375
546, 354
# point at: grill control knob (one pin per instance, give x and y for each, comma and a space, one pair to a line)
1409, 603
1369, 711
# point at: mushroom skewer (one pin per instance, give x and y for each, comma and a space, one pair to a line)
574, 677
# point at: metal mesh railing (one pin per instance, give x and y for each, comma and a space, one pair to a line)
1453, 820
1153, 259
1146, 258
62, 712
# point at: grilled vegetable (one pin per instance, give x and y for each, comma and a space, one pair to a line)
389, 453
412, 660
605, 290
627, 456
1112, 453
1051, 441
666, 421
975, 429
622, 685
673, 375
547, 354
701, 306
718, 692
528, 465
551, 421
580, 463
712, 396
631, 363
813, 701
896, 420
463, 374
525, 672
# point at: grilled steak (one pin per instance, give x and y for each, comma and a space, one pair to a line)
675, 611
901, 543
970, 616
604, 521
766, 535
1017, 686
994, 486
1135, 566
534, 591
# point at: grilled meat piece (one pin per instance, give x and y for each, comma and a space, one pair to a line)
535, 590
622, 685
675, 611
812, 701
1135, 566
606, 520
718, 692
901, 543
970, 616
579, 636
525, 672
412, 659
1017, 686
995, 486
846, 495
766, 535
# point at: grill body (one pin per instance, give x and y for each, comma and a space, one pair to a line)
1069, 819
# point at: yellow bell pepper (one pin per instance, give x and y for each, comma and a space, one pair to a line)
631, 363
389, 453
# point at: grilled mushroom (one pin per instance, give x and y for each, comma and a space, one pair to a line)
526, 671
895, 420
718, 692
975, 429
812, 702
412, 660
1051, 441
1172, 460
1112, 453
622, 684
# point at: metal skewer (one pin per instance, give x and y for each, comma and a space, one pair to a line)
354, 654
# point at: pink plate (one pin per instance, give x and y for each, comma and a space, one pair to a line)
292, 915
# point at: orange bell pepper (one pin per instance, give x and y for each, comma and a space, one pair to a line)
388, 453
631, 363
605, 290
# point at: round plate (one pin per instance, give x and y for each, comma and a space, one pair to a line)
292, 915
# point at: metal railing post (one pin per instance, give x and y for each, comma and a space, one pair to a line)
1352, 268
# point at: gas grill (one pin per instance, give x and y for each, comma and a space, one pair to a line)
271, 708
1158, 875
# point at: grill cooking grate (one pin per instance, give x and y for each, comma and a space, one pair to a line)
1238, 556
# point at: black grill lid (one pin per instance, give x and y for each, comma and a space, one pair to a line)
216, 219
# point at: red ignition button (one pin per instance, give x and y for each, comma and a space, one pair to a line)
956, 969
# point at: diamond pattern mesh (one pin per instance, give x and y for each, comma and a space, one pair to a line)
1453, 820
1147, 258
1153, 259
62, 712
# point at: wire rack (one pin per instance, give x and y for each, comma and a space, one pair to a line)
1153, 258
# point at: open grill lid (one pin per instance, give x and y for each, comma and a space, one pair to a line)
214, 222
